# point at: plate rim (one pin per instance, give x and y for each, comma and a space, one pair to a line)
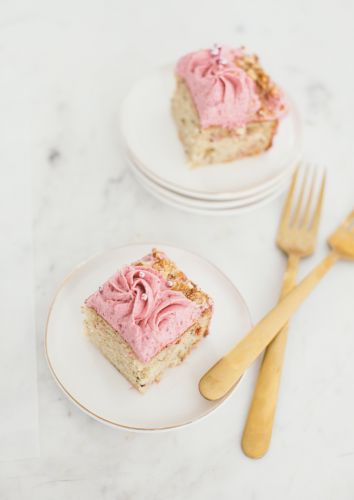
225, 195
212, 205
100, 418
225, 212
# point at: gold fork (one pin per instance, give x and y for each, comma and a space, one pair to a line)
297, 236
221, 377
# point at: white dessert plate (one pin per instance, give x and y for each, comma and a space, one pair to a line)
96, 387
151, 138
210, 211
215, 205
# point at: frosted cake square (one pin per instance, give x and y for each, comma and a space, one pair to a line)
225, 106
146, 318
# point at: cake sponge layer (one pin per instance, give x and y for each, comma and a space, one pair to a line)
216, 144
119, 353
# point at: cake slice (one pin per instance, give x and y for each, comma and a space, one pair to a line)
146, 318
225, 106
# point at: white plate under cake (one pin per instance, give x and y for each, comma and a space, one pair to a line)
150, 137
94, 384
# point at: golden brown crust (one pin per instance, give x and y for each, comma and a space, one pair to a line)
179, 281
267, 89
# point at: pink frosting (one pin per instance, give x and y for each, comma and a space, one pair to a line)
223, 93
139, 303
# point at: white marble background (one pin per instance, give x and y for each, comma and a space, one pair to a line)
65, 67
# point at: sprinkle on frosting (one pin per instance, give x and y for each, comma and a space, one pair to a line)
139, 303
229, 88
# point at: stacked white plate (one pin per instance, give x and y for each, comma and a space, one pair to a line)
157, 159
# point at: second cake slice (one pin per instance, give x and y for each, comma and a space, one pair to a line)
225, 106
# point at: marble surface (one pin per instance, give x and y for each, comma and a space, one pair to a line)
19, 432
65, 69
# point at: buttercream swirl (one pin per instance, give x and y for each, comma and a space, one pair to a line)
223, 93
139, 303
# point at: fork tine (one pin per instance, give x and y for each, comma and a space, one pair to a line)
348, 222
317, 214
306, 216
299, 201
349, 219
288, 202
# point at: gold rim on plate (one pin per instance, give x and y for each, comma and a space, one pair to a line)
82, 406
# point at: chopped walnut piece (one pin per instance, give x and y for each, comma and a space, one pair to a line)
250, 64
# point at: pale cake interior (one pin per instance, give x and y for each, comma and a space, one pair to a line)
216, 144
120, 354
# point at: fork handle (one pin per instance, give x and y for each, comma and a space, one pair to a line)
259, 424
221, 377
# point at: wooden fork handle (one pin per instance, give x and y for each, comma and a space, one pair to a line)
259, 424
221, 377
